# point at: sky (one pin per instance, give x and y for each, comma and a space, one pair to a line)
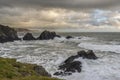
69, 15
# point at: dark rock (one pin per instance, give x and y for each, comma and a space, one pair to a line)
46, 35
41, 71
28, 36
88, 55
82, 54
69, 37
71, 59
73, 67
62, 73
91, 54
7, 34
70, 66
58, 73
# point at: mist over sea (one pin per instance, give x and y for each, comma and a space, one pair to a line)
51, 53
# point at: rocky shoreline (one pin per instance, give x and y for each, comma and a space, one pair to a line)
68, 67
12, 70
8, 34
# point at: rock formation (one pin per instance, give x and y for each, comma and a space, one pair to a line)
46, 35
69, 37
7, 34
28, 36
70, 65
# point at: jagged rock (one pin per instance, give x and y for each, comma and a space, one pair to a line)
69, 68
28, 36
7, 34
69, 37
88, 55
70, 65
71, 59
41, 71
82, 54
91, 55
62, 73
46, 35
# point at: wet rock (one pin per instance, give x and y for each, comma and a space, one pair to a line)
69, 37
7, 34
58, 73
28, 36
70, 65
69, 68
82, 54
88, 55
62, 73
71, 59
41, 71
91, 55
46, 35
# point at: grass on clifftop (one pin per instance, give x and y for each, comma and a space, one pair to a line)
12, 70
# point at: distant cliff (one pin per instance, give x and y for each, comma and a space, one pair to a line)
7, 34
21, 29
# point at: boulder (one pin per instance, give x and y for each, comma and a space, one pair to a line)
71, 59
91, 55
28, 36
69, 37
82, 54
7, 34
88, 55
41, 71
62, 73
69, 68
46, 35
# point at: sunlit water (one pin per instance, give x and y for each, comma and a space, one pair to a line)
52, 53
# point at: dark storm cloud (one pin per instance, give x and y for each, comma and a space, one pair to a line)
60, 3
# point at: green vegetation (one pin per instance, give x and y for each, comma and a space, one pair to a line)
12, 70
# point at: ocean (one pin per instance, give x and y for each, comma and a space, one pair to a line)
51, 53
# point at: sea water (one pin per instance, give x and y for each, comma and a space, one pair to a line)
51, 53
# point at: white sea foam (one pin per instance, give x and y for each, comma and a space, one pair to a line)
101, 47
51, 53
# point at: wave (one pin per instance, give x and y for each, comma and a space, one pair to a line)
101, 47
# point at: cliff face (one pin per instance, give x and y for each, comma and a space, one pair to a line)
7, 34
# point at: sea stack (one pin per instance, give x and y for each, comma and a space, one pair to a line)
28, 36
47, 35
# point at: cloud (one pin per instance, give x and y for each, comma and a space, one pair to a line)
61, 14
80, 4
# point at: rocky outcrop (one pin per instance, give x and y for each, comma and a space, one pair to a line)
70, 65
13, 70
88, 55
69, 37
28, 36
41, 71
7, 34
46, 35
